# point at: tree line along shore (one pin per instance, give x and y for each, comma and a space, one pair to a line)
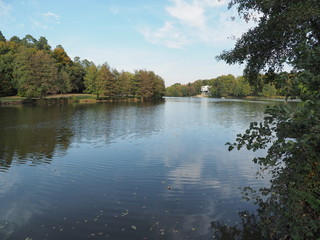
227, 86
31, 69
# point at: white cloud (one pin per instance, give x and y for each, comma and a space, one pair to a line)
49, 16
197, 21
5, 11
45, 20
38, 24
167, 35
191, 14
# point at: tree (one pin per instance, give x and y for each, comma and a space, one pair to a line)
151, 86
174, 90
67, 73
269, 90
197, 87
145, 79
86, 63
106, 82
76, 74
29, 41
192, 90
126, 83
159, 88
2, 38
63, 81
30, 68
90, 80
62, 58
136, 84
35, 73
7, 55
15, 39
77, 60
42, 44
287, 31
116, 86
223, 86
242, 87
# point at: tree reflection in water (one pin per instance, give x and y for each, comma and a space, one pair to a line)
248, 229
32, 135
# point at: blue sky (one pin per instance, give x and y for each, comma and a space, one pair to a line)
177, 39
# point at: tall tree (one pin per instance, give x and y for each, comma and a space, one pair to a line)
2, 38
15, 39
136, 84
7, 56
67, 75
174, 90
223, 86
145, 79
86, 63
76, 74
42, 44
159, 88
62, 58
287, 31
63, 81
29, 41
90, 80
106, 82
35, 73
242, 87
151, 86
268, 90
125, 83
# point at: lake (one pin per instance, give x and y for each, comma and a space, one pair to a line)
124, 170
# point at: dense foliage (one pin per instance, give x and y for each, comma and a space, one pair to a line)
287, 31
30, 68
222, 86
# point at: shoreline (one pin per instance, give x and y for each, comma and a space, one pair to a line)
91, 98
65, 99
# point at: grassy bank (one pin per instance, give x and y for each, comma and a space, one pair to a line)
59, 98
12, 100
63, 98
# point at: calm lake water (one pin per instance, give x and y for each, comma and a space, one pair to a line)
124, 171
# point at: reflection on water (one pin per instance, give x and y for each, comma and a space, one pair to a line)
247, 230
33, 134
123, 171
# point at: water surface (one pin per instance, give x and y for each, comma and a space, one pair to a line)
123, 171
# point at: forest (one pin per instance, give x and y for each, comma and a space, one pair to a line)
226, 86
30, 68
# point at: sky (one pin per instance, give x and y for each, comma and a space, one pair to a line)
177, 39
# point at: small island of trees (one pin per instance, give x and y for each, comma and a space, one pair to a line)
30, 68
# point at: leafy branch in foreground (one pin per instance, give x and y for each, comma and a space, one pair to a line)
287, 31
291, 205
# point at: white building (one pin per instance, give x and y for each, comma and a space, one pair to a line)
205, 90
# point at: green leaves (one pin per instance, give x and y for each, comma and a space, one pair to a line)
114, 85
287, 32
292, 135
30, 68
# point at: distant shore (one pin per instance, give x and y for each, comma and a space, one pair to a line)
91, 98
